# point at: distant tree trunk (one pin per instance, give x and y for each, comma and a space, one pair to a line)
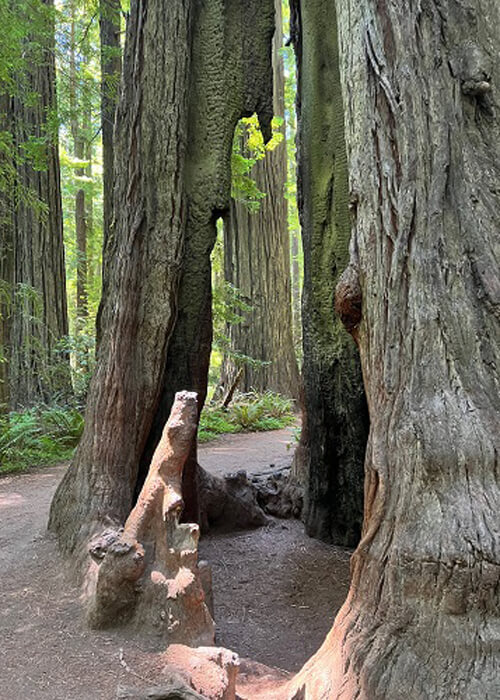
111, 62
257, 262
81, 247
79, 152
334, 438
32, 244
171, 185
296, 313
6, 269
421, 297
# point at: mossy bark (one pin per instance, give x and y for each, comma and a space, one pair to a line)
336, 418
191, 70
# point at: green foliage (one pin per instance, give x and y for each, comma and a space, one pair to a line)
248, 149
227, 303
27, 27
79, 101
274, 405
214, 421
41, 435
248, 412
26, 302
247, 415
22, 20
49, 434
296, 252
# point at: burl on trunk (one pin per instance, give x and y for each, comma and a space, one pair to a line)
147, 572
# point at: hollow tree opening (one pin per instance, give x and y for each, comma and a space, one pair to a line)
257, 253
172, 173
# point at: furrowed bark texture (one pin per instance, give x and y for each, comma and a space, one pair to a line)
335, 415
32, 246
191, 70
420, 83
79, 138
111, 63
257, 262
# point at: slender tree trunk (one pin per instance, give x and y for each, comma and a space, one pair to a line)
33, 256
81, 247
181, 62
336, 421
6, 268
80, 153
423, 137
296, 313
111, 63
89, 205
257, 262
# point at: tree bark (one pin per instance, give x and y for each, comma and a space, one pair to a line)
195, 69
111, 67
296, 305
420, 85
32, 250
335, 417
111, 64
79, 153
257, 263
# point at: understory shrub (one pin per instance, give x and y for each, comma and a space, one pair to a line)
48, 434
38, 436
248, 412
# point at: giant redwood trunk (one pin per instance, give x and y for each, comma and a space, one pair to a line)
32, 256
257, 263
336, 422
191, 70
420, 85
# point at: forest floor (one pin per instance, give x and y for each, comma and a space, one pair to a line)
276, 591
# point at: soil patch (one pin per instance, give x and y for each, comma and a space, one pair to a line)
276, 591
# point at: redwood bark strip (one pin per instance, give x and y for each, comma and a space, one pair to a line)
109, 32
143, 259
335, 417
420, 85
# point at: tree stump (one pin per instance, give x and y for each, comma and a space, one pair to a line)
146, 574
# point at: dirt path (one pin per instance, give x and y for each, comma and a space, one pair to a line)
276, 591
254, 452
